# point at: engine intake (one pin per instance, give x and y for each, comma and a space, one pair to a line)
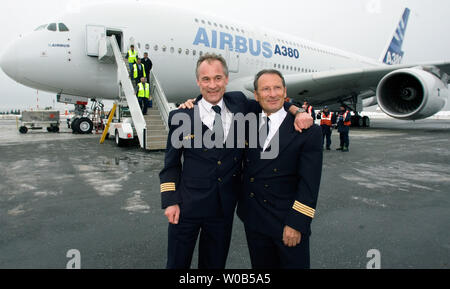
411, 93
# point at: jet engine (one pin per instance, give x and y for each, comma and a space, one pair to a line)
412, 93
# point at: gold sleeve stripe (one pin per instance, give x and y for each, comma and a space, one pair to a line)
166, 187
305, 210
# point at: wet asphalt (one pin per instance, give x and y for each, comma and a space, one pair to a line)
59, 192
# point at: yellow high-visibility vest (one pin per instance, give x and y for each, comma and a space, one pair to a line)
144, 92
132, 55
135, 69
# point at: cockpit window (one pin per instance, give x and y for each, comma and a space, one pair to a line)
62, 27
52, 27
42, 27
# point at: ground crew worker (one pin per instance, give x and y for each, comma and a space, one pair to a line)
143, 94
138, 71
148, 65
343, 126
132, 56
327, 119
309, 109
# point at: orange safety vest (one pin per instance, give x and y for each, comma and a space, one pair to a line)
326, 120
347, 123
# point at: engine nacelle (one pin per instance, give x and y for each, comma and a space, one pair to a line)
411, 93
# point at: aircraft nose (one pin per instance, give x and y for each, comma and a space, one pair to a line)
8, 62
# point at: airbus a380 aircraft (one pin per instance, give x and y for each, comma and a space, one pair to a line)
61, 57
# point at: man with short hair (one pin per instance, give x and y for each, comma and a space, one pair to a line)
132, 55
343, 126
147, 65
143, 94
200, 184
279, 195
327, 119
138, 71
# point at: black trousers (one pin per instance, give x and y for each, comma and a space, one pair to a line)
215, 237
326, 132
269, 253
345, 141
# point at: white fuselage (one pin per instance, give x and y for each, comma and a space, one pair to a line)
57, 61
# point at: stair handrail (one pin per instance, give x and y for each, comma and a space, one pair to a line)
125, 82
160, 99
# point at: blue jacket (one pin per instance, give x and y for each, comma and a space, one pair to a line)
283, 191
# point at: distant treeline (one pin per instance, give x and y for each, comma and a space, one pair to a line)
17, 111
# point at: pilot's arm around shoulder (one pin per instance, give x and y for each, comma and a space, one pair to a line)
309, 172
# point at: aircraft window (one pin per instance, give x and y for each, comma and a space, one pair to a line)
62, 27
41, 27
187, 51
275, 65
164, 48
215, 24
200, 53
196, 20
194, 52
220, 25
226, 26
180, 50
147, 46
209, 23
155, 47
139, 45
52, 27
242, 30
279, 66
232, 28
172, 50
203, 21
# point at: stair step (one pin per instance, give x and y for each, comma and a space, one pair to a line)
156, 146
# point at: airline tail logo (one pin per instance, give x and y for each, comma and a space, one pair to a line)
394, 54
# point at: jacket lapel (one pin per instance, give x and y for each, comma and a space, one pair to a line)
285, 134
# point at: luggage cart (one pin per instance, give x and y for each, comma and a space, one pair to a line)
39, 120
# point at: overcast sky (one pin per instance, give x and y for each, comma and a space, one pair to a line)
360, 26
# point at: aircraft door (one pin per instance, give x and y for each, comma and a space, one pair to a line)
93, 35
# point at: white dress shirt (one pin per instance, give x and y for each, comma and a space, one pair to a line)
207, 115
276, 119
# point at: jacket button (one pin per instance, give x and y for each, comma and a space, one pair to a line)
219, 163
265, 201
220, 180
275, 170
205, 150
266, 186
252, 195
252, 180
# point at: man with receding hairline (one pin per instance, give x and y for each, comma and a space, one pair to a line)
279, 195
200, 185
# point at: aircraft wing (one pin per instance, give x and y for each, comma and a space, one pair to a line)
333, 86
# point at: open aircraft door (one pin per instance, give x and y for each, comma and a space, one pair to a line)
93, 34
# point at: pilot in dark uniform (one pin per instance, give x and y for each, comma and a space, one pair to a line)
279, 195
200, 184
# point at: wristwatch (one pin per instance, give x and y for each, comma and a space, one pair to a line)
300, 110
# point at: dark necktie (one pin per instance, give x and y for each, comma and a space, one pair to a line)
265, 129
218, 126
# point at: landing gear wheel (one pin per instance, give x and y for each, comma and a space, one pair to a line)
74, 125
23, 129
85, 125
366, 121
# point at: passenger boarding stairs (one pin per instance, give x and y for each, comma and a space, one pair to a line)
151, 129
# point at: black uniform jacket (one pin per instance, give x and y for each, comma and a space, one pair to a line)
283, 191
204, 182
